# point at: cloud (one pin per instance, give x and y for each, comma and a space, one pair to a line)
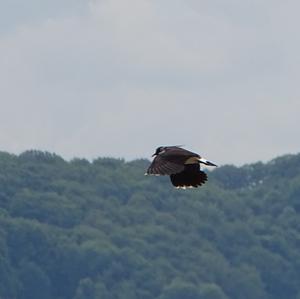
126, 76
15, 13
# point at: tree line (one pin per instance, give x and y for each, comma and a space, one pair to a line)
102, 230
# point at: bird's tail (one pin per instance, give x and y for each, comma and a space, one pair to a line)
206, 162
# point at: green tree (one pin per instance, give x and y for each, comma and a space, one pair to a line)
35, 284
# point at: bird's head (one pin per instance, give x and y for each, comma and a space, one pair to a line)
159, 150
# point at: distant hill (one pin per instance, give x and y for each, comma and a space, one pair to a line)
103, 230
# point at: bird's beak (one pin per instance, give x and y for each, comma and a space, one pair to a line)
153, 155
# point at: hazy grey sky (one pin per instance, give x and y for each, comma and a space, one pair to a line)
121, 77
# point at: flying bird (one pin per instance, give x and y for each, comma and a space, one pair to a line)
181, 165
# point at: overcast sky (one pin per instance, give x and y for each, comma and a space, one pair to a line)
120, 77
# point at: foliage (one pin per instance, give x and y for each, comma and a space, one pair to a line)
101, 229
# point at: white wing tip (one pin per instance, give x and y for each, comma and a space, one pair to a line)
184, 187
153, 174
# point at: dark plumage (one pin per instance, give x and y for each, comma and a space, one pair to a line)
181, 165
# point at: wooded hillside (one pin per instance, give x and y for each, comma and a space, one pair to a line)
103, 230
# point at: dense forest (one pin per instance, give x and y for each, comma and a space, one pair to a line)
102, 230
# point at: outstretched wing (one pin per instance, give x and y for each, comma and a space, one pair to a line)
191, 176
161, 166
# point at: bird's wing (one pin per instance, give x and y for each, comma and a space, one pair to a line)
161, 166
191, 176
178, 154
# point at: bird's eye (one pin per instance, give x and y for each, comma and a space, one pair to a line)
161, 150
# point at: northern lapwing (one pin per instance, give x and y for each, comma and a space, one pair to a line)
181, 165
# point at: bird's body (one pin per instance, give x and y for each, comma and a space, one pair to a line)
181, 165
